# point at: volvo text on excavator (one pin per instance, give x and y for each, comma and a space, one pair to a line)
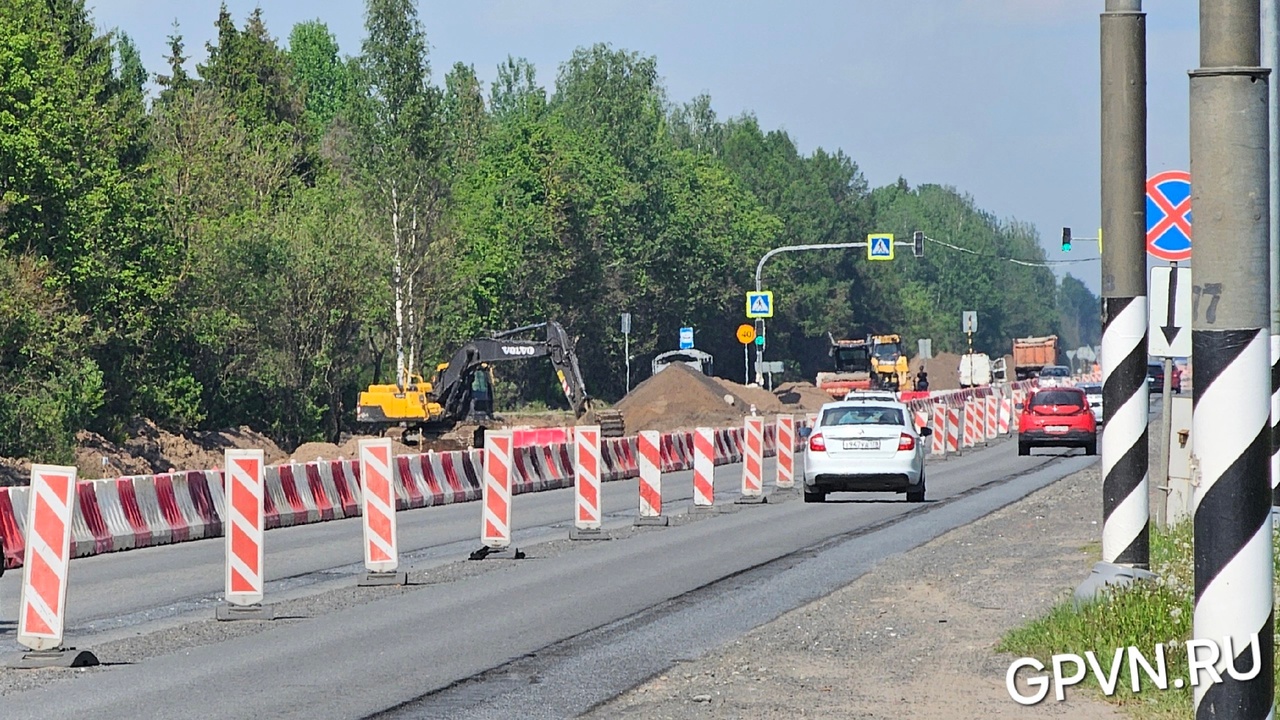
457, 391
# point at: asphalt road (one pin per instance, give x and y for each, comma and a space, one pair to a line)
449, 646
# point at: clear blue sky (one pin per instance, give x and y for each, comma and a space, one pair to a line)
998, 98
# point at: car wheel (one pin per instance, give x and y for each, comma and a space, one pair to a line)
917, 496
1092, 447
1024, 449
814, 497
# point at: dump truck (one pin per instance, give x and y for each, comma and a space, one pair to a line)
850, 368
1032, 353
459, 391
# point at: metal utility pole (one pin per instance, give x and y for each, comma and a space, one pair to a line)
1230, 428
1125, 505
1270, 46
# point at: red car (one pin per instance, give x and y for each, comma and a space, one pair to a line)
1057, 417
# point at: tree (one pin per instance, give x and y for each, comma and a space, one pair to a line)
516, 90
463, 115
324, 78
616, 94
396, 114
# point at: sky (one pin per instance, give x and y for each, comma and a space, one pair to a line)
996, 98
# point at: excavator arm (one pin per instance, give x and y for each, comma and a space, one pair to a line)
452, 388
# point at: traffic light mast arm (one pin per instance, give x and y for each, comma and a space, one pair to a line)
1067, 239
822, 246
797, 248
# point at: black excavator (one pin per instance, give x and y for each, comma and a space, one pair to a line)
460, 390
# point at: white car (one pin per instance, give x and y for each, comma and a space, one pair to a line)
1093, 393
864, 445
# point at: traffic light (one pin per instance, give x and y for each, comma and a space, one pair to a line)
1066, 239
918, 238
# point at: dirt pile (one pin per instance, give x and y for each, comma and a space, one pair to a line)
943, 369
679, 397
803, 395
152, 449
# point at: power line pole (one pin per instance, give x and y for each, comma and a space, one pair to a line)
1125, 503
1230, 429
1271, 58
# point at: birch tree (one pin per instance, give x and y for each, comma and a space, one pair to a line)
396, 117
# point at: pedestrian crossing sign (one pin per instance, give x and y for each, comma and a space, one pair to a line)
880, 247
760, 304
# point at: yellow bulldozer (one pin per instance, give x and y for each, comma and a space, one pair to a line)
889, 362
460, 391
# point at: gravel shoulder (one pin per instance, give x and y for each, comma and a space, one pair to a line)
913, 638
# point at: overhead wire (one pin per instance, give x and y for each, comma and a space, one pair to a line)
1015, 261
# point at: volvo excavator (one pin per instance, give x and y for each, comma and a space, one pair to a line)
455, 394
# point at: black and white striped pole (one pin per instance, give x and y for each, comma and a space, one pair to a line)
1125, 502
1270, 48
1230, 431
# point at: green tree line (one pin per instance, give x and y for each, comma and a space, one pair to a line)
278, 226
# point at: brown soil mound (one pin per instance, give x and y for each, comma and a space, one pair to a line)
764, 401
152, 449
802, 395
943, 369
679, 397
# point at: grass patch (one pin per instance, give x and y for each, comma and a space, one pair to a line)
1141, 615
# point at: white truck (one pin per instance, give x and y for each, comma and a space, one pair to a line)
975, 370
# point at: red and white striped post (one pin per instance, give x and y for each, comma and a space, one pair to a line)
1006, 414
246, 515
955, 427
970, 423
704, 468
378, 507
938, 446
752, 460
586, 484
649, 450
42, 610
495, 496
786, 455
993, 417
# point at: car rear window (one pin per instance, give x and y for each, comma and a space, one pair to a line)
868, 415
1045, 398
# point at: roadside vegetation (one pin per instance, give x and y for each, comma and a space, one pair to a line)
1140, 615
253, 238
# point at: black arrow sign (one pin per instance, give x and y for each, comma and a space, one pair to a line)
1170, 330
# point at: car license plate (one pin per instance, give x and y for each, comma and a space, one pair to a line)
1057, 428
861, 444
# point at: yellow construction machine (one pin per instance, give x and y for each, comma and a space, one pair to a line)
889, 362
460, 391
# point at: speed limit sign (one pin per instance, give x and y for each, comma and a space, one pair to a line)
746, 333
